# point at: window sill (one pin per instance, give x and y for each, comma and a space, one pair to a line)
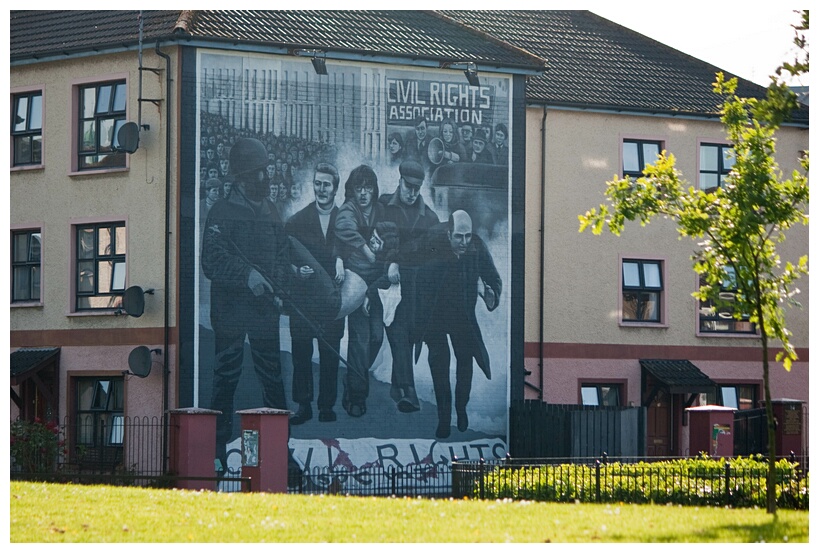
745, 335
636, 324
97, 171
16, 168
100, 313
21, 304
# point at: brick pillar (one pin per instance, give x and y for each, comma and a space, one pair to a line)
193, 446
265, 433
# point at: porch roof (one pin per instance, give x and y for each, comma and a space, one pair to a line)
27, 361
680, 376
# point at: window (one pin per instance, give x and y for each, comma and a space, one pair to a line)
600, 394
642, 290
638, 153
717, 316
99, 409
100, 266
27, 128
101, 115
25, 266
716, 161
738, 396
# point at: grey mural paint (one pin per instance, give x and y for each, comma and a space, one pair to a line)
379, 227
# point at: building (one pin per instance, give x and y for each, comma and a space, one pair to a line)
609, 95
91, 221
311, 87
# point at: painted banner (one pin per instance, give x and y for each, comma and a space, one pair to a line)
353, 259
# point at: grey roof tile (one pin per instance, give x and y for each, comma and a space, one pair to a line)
595, 63
591, 63
39, 33
411, 34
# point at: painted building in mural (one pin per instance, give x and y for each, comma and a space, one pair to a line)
397, 358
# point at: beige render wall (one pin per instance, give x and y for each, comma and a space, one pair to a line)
581, 270
51, 198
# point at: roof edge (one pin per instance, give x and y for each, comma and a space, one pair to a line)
541, 62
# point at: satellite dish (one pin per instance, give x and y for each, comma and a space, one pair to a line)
128, 138
133, 301
139, 361
435, 151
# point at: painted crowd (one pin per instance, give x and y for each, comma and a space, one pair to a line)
276, 242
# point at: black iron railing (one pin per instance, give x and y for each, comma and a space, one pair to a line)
426, 480
131, 454
120, 450
740, 482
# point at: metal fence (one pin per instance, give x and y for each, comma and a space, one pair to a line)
425, 480
134, 456
684, 482
121, 450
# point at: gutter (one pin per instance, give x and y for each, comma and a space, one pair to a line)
330, 53
166, 370
542, 248
542, 272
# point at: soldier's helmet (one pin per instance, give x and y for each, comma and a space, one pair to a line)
247, 155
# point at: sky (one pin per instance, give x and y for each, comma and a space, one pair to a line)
750, 42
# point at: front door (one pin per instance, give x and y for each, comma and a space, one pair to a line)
658, 438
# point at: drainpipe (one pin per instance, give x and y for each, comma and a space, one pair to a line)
542, 244
166, 370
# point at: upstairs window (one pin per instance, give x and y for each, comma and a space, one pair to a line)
25, 266
27, 128
637, 154
100, 266
642, 290
716, 161
717, 316
101, 115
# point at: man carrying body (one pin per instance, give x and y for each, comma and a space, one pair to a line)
406, 208
314, 228
243, 252
454, 262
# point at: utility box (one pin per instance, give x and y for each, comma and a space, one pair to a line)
711, 430
192, 447
265, 432
788, 415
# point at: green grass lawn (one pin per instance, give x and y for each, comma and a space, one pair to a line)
69, 513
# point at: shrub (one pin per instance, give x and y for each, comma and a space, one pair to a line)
36, 446
739, 482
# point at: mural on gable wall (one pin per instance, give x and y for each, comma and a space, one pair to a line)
353, 259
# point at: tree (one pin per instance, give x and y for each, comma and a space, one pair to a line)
737, 227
